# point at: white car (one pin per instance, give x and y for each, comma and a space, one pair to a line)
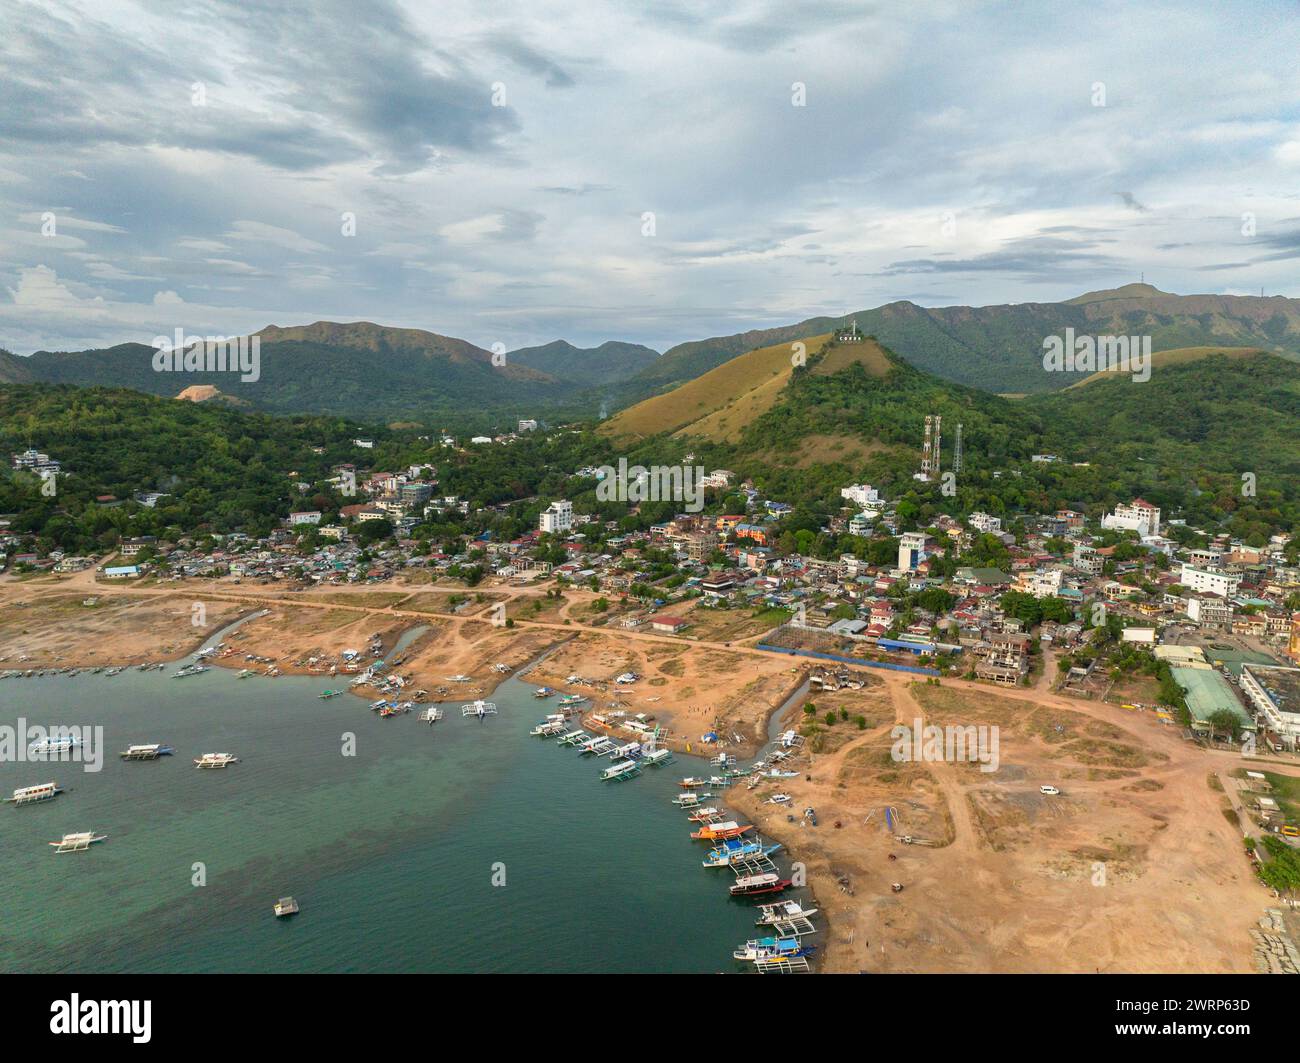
1049, 790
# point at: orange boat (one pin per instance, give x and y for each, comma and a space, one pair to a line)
720, 831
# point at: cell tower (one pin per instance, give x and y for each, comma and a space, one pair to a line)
938, 447
956, 451
930, 448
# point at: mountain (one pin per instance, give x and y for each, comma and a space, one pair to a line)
1000, 348
354, 369
611, 362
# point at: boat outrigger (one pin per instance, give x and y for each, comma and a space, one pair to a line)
215, 760
478, 708
146, 752
26, 795
624, 769
544, 692
735, 851
77, 843
770, 948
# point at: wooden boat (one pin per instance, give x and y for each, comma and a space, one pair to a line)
147, 752
710, 832
768, 882
770, 948
77, 843
215, 760
285, 906
783, 912
705, 815
692, 783
329, 694
690, 800
27, 795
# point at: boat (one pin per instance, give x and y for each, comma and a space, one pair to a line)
189, 669
216, 760
382, 703
459, 678
48, 747
544, 692
26, 795
777, 773
395, 709
690, 799
329, 694
783, 912
704, 815
768, 882
772, 948
77, 843
594, 745
622, 770
692, 783
778, 799
285, 906
572, 738
548, 729
243, 674
710, 832
147, 752
478, 708
572, 699
431, 715
734, 851
658, 756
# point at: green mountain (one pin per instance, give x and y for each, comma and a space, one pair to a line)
1000, 348
611, 362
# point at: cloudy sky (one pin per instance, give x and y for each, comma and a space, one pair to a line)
195, 163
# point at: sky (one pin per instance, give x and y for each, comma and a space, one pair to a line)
646, 171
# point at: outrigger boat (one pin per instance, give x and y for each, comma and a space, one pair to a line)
778, 799
77, 843
329, 694
285, 906
596, 747
690, 799
704, 815
216, 760
658, 756
624, 769
244, 673
771, 948
478, 708
459, 678
544, 692
189, 669
395, 709
711, 832
431, 715
691, 783
572, 699
768, 882
572, 738
783, 912
26, 795
52, 747
548, 729
149, 752
738, 852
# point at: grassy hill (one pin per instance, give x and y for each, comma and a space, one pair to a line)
1180, 356
609, 363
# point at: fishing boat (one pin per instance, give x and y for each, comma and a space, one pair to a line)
705, 815
26, 795
395, 709
768, 882
146, 752
711, 832
479, 709
285, 906
658, 756
769, 948
431, 715
734, 852
216, 760
375, 706
777, 773
571, 699
778, 799
692, 783
52, 747
572, 738
77, 843
188, 670
329, 694
594, 746
544, 692
783, 912
690, 800
245, 673
547, 729
624, 769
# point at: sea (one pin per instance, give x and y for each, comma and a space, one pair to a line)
462, 846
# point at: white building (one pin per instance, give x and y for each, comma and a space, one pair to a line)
306, 516
911, 550
1209, 581
528, 426
1274, 692
984, 522
1139, 516
860, 494
861, 524
557, 518
718, 478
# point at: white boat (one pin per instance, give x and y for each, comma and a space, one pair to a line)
26, 795
778, 799
216, 760
690, 799
77, 843
285, 906
548, 729
54, 746
146, 752
478, 708
783, 912
189, 669
658, 756
459, 678
626, 678
431, 715
620, 770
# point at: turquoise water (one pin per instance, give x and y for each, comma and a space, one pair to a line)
391, 852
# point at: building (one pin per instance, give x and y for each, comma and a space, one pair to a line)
416, 492
861, 524
528, 426
983, 522
1209, 580
860, 494
669, 624
1207, 693
307, 516
911, 551
1274, 692
557, 518
1139, 516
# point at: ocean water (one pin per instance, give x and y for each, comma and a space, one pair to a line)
391, 853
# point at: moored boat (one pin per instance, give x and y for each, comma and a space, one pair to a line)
54, 746
783, 912
709, 832
329, 694
285, 906
478, 708
768, 882
146, 752
624, 769
771, 947
26, 795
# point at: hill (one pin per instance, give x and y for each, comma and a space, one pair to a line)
611, 362
1000, 348
1179, 356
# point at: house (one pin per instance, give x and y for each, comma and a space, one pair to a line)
669, 624
122, 572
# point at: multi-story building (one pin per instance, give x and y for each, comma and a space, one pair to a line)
911, 550
1274, 692
1139, 516
1209, 580
557, 518
860, 494
1208, 610
984, 522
